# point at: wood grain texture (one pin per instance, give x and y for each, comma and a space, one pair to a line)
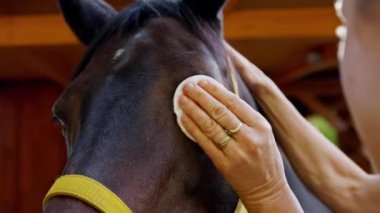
31, 145
50, 29
17, 7
8, 151
281, 23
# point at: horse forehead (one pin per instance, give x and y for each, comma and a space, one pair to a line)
161, 38
163, 32
140, 37
165, 26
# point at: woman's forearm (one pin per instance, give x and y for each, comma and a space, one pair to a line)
337, 180
329, 172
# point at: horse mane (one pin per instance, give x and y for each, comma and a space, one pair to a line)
139, 13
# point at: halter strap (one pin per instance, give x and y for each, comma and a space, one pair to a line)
234, 81
89, 191
95, 194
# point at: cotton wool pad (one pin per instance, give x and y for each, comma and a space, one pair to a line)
179, 92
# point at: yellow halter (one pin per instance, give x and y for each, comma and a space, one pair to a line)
89, 191
96, 194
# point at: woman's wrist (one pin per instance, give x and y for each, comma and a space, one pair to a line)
266, 193
265, 90
279, 198
261, 85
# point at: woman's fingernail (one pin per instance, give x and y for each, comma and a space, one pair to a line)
203, 83
183, 100
188, 87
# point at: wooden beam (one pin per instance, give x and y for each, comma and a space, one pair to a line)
231, 4
48, 62
297, 74
22, 7
47, 30
318, 87
320, 59
34, 30
281, 23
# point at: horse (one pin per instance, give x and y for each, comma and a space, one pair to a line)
117, 115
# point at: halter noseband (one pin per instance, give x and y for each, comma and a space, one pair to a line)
95, 194
89, 191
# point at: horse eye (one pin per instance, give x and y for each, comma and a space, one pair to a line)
58, 120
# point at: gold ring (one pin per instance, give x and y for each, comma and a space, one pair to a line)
232, 132
223, 143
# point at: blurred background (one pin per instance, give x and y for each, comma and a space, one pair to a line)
293, 41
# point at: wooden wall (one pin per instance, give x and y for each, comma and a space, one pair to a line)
32, 151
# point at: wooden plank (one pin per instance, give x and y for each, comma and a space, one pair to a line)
34, 30
319, 59
318, 87
230, 6
281, 23
50, 29
31, 146
8, 7
284, 4
8, 150
56, 63
297, 74
41, 146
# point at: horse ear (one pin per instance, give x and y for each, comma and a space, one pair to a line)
86, 17
206, 8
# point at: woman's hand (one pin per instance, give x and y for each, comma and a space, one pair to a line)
248, 159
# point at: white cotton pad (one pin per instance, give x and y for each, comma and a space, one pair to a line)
179, 92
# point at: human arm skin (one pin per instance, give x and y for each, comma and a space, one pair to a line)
282, 200
337, 180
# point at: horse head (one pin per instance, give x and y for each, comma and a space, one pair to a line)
117, 116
